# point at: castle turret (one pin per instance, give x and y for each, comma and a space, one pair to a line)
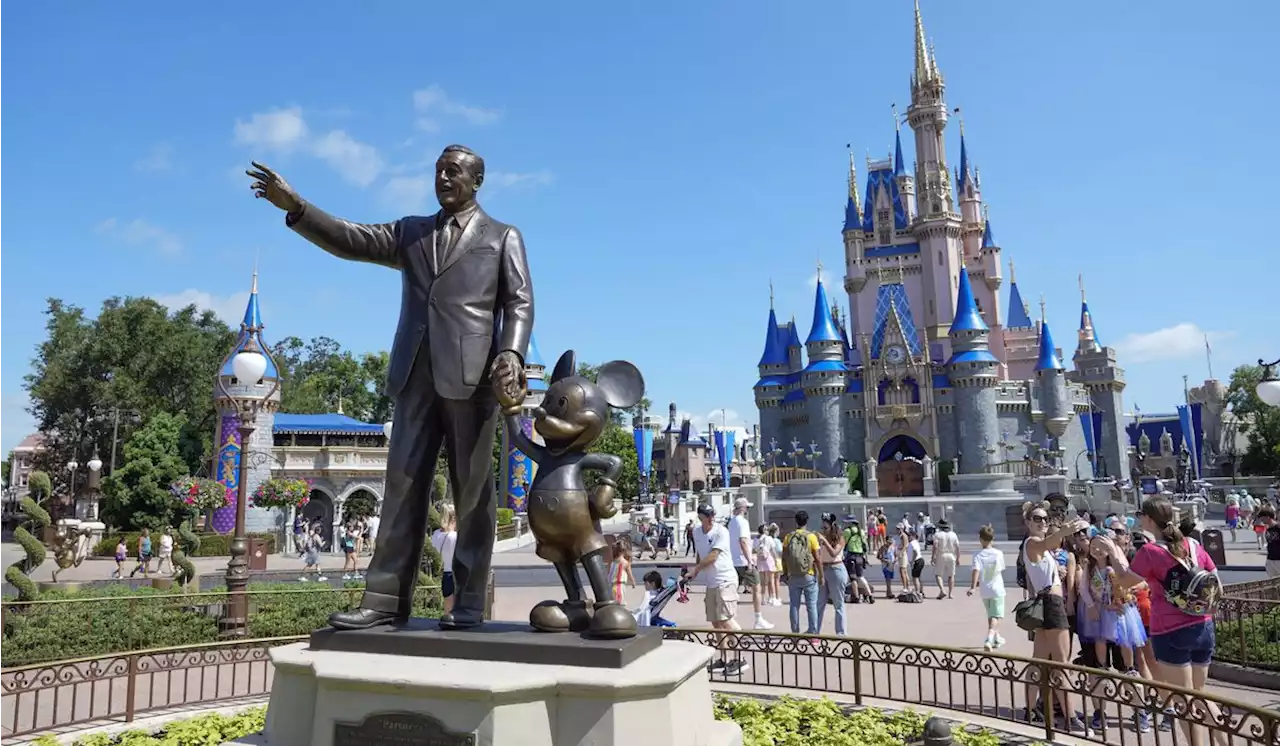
227, 436
970, 199
1097, 370
906, 183
855, 277
928, 117
973, 372
1052, 383
773, 368
1021, 338
824, 381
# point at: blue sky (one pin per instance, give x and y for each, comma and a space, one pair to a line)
663, 161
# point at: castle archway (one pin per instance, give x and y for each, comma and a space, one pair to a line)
319, 509
900, 467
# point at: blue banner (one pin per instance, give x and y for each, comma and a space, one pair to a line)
1197, 423
1097, 441
1086, 424
724, 452
644, 449
1184, 417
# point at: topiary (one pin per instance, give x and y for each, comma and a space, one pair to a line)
18, 573
188, 543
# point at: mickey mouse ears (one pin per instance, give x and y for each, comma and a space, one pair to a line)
621, 383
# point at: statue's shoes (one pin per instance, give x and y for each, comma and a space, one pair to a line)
363, 619
461, 619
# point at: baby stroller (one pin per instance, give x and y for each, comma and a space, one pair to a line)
650, 612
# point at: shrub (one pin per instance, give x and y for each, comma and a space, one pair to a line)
821, 722
206, 730
506, 516
1260, 634
16, 574
137, 620
188, 543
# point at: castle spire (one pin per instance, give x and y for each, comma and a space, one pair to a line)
252, 315
1048, 351
968, 317
824, 326
988, 236
1019, 317
852, 209
963, 177
774, 351
1088, 336
924, 66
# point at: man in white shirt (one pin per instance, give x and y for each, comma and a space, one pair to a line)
744, 562
371, 528
946, 551
715, 566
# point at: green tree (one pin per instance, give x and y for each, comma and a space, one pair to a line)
138, 496
619, 441
319, 376
1258, 422
4, 470
134, 356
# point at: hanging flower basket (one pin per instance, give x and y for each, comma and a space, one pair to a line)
281, 493
199, 495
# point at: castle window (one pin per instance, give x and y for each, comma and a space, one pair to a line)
939, 258
932, 311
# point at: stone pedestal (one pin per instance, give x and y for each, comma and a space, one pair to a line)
494, 686
1048, 485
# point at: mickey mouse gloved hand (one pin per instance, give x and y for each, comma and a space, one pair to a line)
602, 496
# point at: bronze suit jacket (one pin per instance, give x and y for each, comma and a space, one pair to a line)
476, 302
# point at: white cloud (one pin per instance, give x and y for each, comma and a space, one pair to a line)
408, 194
139, 232
280, 130
509, 179
729, 417
16, 422
824, 275
432, 100
229, 308
158, 158
355, 161
1178, 342
286, 131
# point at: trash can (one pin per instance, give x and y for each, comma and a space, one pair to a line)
257, 553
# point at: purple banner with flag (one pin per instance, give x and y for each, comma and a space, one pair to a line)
724, 452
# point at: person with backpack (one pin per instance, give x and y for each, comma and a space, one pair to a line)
855, 561
1185, 589
800, 563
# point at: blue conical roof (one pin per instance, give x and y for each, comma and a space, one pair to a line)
251, 328
1048, 351
988, 238
852, 221
1084, 312
793, 337
534, 356
898, 167
775, 351
1018, 318
824, 326
967, 319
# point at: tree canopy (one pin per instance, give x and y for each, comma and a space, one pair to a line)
320, 376
1259, 423
135, 359
138, 494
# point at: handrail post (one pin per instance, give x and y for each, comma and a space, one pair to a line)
1046, 701
1240, 625
131, 688
857, 672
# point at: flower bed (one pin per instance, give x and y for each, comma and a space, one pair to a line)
206, 729
821, 722
200, 495
281, 493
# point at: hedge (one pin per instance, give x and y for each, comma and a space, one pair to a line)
135, 620
211, 545
1261, 637
506, 516
205, 729
821, 722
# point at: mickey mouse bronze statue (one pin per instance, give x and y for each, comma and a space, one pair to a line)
563, 517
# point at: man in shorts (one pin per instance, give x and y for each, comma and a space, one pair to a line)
744, 561
715, 566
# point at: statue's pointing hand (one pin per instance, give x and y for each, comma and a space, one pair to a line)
271, 186
509, 383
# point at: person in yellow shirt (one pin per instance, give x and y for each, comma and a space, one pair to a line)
800, 564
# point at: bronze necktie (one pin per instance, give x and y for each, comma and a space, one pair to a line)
448, 232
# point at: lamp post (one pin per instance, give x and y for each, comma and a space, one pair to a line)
72, 467
249, 364
90, 512
1268, 389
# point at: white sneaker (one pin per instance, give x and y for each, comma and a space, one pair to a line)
303, 579
320, 578
777, 601
989, 643
346, 576
762, 623
999, 641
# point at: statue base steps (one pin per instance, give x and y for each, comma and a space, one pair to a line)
326, 697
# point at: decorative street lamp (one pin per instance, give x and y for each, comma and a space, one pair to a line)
774, 452
72, 466
90, 510
249, 364
1269, 387
813, 454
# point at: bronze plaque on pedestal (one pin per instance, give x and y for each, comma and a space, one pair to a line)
399, 729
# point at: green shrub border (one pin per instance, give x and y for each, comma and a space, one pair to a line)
210, 544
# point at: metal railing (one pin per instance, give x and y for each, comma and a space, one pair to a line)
991, 685
784, 474
1248, 632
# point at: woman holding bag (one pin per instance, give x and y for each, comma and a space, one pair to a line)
1045, 609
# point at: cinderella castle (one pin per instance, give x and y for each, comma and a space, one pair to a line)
929, 382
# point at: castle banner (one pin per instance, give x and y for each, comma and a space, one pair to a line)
724, 451
228, 472
520, 470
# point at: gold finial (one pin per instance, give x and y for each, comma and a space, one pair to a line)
253, 290
986, 213
1080, 279
1042, 308
897, 123
1013, 275
922, 49
819, 268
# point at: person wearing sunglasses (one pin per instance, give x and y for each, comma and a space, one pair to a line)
1052, 640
